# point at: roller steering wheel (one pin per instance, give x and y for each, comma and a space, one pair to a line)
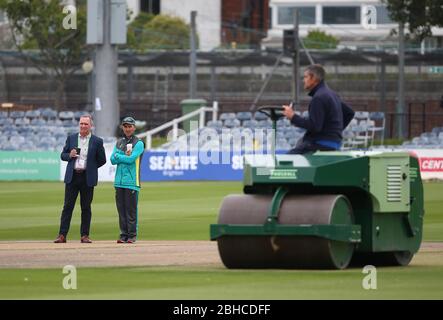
273, 112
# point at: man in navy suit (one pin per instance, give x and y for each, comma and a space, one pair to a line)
85, 154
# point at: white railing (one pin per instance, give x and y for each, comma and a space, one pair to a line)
174, 123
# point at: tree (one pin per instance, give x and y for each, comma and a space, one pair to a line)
45, 26
149, 32
136, 27
317, 39
418, 15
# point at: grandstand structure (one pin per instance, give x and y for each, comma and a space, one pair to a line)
41, 129
153, 85
252, 132
427, 140
45, 129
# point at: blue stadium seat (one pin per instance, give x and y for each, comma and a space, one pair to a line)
22, 121
69, 123
250, 124
6, 122
38, 122
292, 134
60, 135
227, 116
418, 141
17, 139
282, 144
437, 130
280, 135
377, 116
282, 123
54, 122
379, 125
10, 130
26, 130
66, 115
17, 114
243, 116
78, 114
264, 124
215, 124
260, 116
429, 135
31, 114
27, 146
232, 123
10, 147
361, 115
48, 113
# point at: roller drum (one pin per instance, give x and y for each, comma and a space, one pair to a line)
308, 252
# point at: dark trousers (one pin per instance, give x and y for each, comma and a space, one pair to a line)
308, 147
78, 184
126, 201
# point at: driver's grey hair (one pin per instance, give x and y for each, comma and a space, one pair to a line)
317, 71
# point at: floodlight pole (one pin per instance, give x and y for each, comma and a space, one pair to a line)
107, 111
193, 58
401, 82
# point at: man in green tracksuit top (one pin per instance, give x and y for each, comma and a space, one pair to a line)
127, 156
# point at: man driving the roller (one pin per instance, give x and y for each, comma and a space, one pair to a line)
328, 115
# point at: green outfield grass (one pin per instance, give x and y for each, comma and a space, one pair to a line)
413, 282
167, 211
183, 211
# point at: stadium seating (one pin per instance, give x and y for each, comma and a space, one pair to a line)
37, 130
46, 130
48, 113
427, 140
233, 131
379, 125
242, 131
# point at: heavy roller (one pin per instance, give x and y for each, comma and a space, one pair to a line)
324, 210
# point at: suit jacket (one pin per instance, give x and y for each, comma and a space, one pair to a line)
96, 158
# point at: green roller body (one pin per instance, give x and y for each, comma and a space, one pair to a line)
373, 201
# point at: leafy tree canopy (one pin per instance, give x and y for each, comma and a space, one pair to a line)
149, 32
317, 39
418, 15
47, 26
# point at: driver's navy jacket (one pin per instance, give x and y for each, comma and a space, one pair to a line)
328, 116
